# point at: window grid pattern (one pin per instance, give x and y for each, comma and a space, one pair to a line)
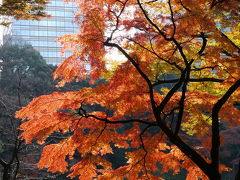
42, 34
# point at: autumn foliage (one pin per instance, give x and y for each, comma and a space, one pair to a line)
23, 9
177, 83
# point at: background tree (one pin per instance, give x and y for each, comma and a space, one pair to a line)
24, 75
25, 64
178, 127
24, 9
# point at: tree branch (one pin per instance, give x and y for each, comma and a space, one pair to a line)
215, 127
158, 56
144, 76
187, 9
232, 43
174, 89
151, 22
117, 17
163, 34
190, 80
145, 150
3, 163
172, 18
122, 121
181, 102
204, 39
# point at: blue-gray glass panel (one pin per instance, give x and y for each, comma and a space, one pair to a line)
41, 34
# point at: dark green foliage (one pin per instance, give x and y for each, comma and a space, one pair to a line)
26, 66
24, 75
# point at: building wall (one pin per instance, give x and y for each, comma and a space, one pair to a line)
5, 30
41, 34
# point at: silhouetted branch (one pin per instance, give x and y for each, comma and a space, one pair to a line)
158, 56
187, 9
215, 127
232, 43
122, 121
152, 23
181, 102
135, 64
145, 150
172, 18
204, 43
190, 80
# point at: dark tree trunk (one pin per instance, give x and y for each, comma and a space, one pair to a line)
6, 175
238, 172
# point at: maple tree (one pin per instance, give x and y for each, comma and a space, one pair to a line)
23, 9
193, 42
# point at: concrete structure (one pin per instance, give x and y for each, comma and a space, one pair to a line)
5, 30
41, 34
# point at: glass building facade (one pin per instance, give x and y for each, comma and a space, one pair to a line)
41, 34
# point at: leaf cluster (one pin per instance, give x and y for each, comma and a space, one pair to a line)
181, 47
